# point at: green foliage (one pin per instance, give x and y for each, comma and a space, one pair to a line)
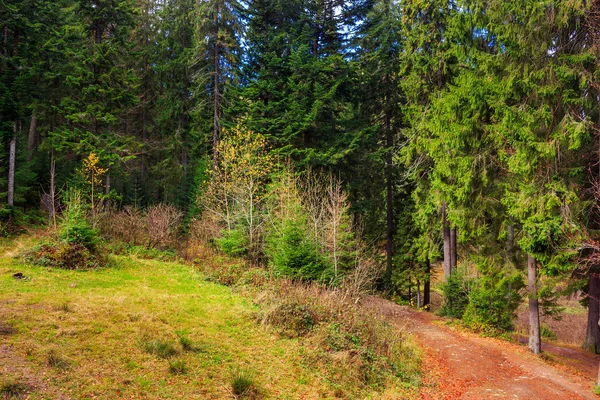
233, 242
293, 253
456, 292
64, 255
493, 298
74, 228
547, 333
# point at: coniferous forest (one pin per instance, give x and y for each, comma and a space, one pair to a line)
410, 148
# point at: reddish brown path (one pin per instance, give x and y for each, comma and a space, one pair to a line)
460, 365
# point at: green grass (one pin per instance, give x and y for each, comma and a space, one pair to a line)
102, 334
12, 390
147, 329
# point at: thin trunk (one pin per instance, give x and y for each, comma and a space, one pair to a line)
447, 244
11, 167
418, 294
32, 139
52, 190
453, 248
216, 88
510, 242
535, 342
389, 141
427, 285
592, 339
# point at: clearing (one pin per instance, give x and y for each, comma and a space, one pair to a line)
115, 333
149, 329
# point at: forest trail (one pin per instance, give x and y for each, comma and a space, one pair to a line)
460, 365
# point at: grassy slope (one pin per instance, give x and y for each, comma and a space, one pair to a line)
96, 320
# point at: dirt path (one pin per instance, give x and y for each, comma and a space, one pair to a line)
460, 365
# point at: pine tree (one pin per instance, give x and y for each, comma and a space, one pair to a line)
216, 61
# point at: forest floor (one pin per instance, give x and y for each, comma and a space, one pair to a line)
462, 365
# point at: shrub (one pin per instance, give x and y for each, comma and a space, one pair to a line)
292, 318
295, 255
157, 226
456, 294
233, 242
547, 333
64, 255
162, 223
127, 225
493, 299
74, 227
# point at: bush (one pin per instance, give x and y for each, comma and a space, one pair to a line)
293, 253
292, 318
493, 299
157, 226
456, 294
64, 255
233, 242
74, 227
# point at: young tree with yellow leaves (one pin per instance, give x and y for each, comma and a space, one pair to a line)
237, 187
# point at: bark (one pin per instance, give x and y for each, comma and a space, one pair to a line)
535, 343
216, 88
510, 243
389, 205
32, 138
52, 208
11, 168
453, 248
592, 339
419, 298
427, 286
447, 244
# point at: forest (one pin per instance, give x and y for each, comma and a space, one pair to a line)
366, 145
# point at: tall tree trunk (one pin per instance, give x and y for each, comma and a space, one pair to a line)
216, 88
592, 339
535, 343
453, 249
447, 244
32, 138
510, 242
11, 167
389, 200
427, 285
419, 298
52, 207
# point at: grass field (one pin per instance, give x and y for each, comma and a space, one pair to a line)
117, 333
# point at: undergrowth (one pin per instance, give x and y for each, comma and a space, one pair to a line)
355, 351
